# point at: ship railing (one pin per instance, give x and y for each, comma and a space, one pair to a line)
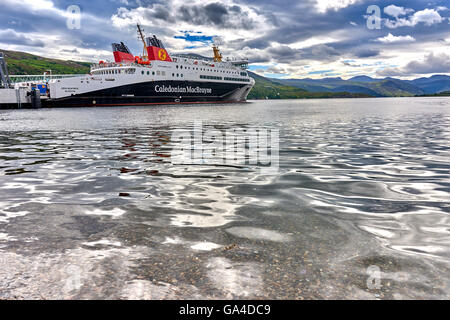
40, 78
111, 65
202, 62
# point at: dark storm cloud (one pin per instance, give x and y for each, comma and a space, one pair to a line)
12, 37
366, 53
162, 13
433, 63
217, 14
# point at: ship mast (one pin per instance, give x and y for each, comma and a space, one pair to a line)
217, 54
142, 37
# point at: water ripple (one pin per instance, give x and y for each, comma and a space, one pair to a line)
94, 191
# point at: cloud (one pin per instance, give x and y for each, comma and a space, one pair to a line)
366, 53
395, 11
432, 63
427, 16
276, 70
10, 36
197, 14
395, 39
325, 5
283, 33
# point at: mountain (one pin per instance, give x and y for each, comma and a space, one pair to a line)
266, 88
387, 87
363, 79
433, 84
25, 63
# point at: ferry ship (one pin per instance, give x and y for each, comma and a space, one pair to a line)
155, 77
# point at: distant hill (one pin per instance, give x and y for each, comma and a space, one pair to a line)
363, 79
266, 88
25, 63
433, 84
387, 87
440, 94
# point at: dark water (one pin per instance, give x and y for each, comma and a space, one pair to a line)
92, 207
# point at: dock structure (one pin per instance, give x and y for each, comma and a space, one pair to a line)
24, 91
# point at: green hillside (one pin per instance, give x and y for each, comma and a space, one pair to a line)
25, 63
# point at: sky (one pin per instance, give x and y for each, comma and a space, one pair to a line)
281, 39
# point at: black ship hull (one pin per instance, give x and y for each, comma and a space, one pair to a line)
157, 92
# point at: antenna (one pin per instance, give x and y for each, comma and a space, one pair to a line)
142, 38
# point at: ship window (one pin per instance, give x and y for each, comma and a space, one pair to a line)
178, 74
163, 73
158, 73
177, 66
148, 73
182, 75
153, 72
142, 71
181, 67
173, 74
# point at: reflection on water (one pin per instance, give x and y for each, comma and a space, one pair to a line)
92, 207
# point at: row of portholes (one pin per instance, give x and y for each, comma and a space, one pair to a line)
163, 73
159, 73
